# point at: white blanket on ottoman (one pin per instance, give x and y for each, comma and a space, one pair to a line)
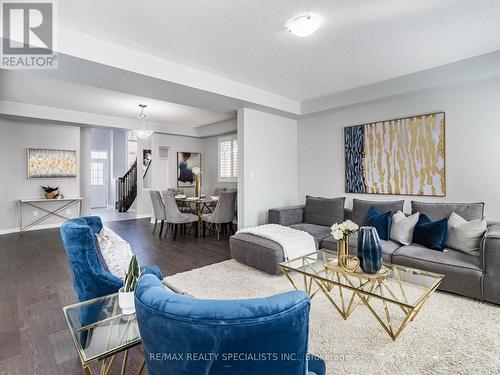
295, 243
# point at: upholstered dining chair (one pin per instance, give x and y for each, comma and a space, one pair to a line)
177, 219
265, 336
158, 209
223, 214
217, 191
176, 191
90, 278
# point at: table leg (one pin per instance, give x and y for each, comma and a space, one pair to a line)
124, 363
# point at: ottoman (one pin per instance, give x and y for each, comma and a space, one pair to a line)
257, 252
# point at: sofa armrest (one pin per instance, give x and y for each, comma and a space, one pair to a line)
286, 215
490, 248
490, 258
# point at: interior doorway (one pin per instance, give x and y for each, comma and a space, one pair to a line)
163, 168
98, 179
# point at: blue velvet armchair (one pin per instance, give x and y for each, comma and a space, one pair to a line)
185, 335
90, 279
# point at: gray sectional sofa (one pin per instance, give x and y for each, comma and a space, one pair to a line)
465, 274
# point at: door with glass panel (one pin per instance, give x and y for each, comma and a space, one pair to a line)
99, 179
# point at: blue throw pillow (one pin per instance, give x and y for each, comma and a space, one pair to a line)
381, 222
431, 234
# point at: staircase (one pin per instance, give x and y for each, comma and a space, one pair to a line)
127, 189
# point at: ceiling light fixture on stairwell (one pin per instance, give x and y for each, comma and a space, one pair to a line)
142, 132
304, 25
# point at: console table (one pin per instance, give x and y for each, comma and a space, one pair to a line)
36, 203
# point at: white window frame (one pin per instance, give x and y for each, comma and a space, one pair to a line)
219, 141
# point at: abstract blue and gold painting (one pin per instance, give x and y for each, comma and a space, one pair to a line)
404, 156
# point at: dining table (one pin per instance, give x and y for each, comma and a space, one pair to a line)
197, 205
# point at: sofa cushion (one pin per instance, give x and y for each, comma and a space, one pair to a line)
388, 247
403, 226
360, 208
431, 234
319, 232
257, 252
382, 222
438, 211
462, 271
465, 235
324, 211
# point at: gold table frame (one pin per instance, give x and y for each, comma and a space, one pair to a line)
364, 292
106, 357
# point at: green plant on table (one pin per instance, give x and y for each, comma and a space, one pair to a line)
133, 274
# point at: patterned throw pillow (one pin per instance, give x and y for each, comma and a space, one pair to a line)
403, 226
115, 251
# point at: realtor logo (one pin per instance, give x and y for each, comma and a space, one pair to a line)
28, 35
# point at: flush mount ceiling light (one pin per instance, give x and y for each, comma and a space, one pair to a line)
304, 25
142, 132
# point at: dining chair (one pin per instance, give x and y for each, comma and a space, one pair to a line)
176, 219
223, 214
265, 336
176, 191
185, 208
218, 190
158, 209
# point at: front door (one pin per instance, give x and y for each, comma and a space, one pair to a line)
99, 179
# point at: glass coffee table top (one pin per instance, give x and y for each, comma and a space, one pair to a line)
99, 329
402, 285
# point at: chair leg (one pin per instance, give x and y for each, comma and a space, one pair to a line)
217, 226
204, 228
161, 227
231, 229
166, 230
154, 228
196, 225
175, 230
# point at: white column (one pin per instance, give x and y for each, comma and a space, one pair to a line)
85, 169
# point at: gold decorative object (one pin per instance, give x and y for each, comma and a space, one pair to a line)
394, 295
197, 186
350, 264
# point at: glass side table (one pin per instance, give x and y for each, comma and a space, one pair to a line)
100, 331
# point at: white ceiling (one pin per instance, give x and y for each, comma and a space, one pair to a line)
361, 41
32, 89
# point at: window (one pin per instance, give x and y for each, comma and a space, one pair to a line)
98, 155
228, 159
131, 148
131, 136
97, 173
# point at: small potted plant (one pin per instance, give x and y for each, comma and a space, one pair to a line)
50, 192
126, 293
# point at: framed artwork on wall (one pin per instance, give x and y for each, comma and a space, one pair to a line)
186, 161
49, 163
404, 156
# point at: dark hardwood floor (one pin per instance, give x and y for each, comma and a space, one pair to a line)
35, 284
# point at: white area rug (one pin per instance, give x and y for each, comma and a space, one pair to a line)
450, 335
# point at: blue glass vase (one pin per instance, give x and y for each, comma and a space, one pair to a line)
369, 250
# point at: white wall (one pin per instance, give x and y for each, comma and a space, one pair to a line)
15, 137
267, 174
472, 143
211, 167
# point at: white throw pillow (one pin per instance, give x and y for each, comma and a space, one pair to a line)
115, 251
402, 227
465, 235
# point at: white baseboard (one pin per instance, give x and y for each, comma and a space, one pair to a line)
36, 227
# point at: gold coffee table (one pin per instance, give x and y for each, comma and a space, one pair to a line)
394, 296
